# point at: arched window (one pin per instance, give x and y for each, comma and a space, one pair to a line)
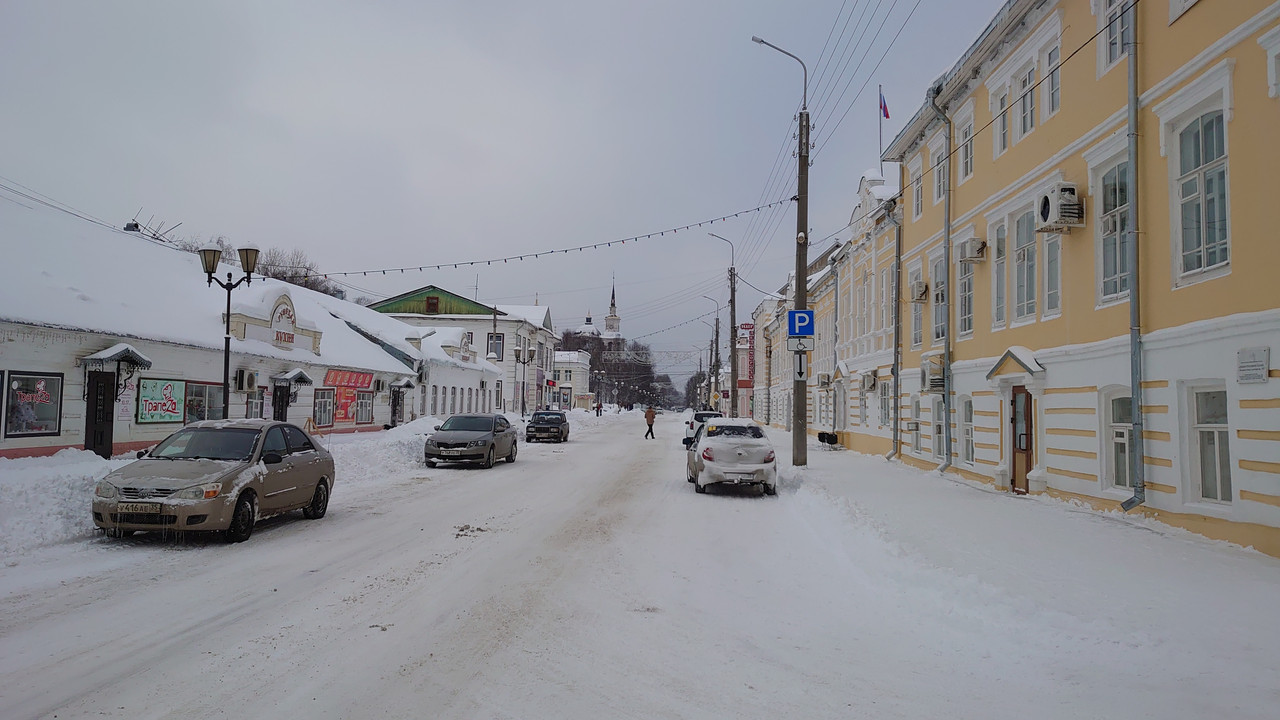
435, 396
453, 400
1118, 418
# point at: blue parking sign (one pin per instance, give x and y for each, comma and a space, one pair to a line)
799, 323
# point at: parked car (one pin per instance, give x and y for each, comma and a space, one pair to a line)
699, 417
217, 475
547, 425
478, 437
733, 451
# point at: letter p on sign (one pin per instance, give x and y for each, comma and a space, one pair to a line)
799, 323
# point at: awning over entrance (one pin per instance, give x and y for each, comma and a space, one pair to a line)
295, 376
406, 383
1017, 359
123, 353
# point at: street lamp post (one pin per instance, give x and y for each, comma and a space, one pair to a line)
524, 356
209, 257
717, 342
733, 328
799, 418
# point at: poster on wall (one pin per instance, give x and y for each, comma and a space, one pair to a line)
348, 379
125, 404
159, 400
33, 405
344, 405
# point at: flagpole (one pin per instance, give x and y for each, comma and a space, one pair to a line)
880, 117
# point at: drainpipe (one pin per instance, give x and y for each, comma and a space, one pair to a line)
946, 288
1136, 465
835, 344
892, 208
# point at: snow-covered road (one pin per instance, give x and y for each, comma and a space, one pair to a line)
588, 580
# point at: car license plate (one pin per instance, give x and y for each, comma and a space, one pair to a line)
450, 452
138, 507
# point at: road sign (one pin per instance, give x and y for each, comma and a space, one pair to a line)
802, 367
800, 323
715, 397
799, 344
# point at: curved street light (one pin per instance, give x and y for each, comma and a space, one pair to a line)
209, 257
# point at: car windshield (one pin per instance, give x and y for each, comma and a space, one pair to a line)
208, 443
550, 417
703, 416
463, 422
751, 431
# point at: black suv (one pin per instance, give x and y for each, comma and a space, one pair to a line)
547, 425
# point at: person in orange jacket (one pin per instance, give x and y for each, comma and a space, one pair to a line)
649, 415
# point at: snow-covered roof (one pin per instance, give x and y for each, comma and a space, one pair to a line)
119, 352
72, 274
296, 376
567, 356
539, 315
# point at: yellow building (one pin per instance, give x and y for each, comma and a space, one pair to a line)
1034, 343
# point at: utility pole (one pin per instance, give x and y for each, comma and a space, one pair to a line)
799, 388
733, 342
718, 366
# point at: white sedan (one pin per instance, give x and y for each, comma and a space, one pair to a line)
731, 451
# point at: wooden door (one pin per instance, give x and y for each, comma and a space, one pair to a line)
99, 413
1022, 438
280, 402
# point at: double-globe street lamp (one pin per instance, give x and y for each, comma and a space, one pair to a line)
524, 356
209, 257
799, 387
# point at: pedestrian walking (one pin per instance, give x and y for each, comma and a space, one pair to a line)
599, 408
649, 415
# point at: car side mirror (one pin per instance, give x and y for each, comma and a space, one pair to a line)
688, 442
437, 427
142, 454
272, 458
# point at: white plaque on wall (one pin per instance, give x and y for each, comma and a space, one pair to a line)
1253, 365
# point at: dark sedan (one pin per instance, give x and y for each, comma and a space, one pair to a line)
547, 425
476, 438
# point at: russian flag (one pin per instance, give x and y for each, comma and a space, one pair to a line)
884, 106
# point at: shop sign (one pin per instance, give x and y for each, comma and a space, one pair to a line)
344, 404
283, 324
347, 379
159, 400
34, 405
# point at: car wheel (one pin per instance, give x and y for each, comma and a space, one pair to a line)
488, 459
242, 517
319, 502
770, 489
118, 533
431, 463
512, 457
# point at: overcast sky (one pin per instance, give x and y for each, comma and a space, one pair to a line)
391, 134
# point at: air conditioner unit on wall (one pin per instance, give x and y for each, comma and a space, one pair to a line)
246, 380
1059, 209
869, 381
931, 379
971, 251
919, 291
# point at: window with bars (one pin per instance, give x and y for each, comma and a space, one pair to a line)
1114, 231
1202, 193
1024, 260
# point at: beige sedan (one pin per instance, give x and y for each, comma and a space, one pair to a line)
217, 475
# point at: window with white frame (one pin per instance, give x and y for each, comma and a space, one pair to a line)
886, 304
1202, 193
253, 403
886, 401
453, 400
1002, 125
915, 184
863, 417
497, 394
1027, 102
435, 399
1119, 440
1212, 469
322, 406
1052, 275
1118, 33
998, 276
1024, 267
964, 286
941, 169
1053, 82
966, 430
1114, 232
938, 282
864, 308
917, 309
966, 151
496, 343
938, 419
915, 417
364, 407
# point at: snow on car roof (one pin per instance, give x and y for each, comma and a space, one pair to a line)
732, 421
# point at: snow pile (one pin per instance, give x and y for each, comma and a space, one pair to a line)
48, 499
